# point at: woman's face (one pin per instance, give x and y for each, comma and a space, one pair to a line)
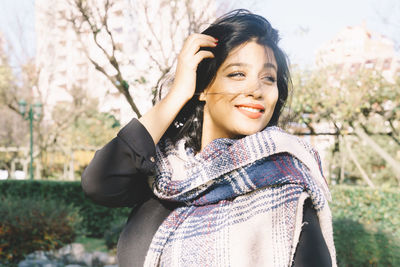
242, 97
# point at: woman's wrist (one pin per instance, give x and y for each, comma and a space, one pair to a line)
178, 95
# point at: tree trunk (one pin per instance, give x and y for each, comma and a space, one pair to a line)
38, 170
128, 97
71, 173
344, 159
358, 165
382, 153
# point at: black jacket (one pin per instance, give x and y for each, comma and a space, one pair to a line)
117, 177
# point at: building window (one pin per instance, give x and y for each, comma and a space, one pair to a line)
354, 67
339, 67
370, 64
118, 30
387, 63
118, 12
62, 58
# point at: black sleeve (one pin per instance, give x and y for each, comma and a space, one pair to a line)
311, 250
117, 175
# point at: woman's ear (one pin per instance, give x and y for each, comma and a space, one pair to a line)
202, 96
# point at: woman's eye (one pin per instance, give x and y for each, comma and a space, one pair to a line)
236, 74
270, 79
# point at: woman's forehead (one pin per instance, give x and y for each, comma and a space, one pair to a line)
249, 53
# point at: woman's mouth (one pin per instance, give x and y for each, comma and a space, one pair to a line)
253, 111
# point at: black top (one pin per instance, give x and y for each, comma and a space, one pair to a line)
117, 177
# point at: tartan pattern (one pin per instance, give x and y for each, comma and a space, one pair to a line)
241, 196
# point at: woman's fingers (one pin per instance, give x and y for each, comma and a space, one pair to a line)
188, 60
202, 55
191, 55
198, 40
190, 50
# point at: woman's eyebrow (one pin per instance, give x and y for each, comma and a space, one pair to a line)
270, 65
239, 64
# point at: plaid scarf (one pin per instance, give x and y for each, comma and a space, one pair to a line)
243, 201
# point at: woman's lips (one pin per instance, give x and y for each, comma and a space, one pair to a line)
253, 111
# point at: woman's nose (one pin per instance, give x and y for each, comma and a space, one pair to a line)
255, 89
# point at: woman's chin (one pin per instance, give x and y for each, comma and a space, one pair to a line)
244, 131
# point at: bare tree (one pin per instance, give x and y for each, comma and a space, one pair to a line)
160, 28
91, 19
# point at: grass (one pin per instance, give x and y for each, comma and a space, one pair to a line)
92, 244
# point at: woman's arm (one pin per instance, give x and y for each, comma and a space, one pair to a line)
117, 175
311, 250
159, 118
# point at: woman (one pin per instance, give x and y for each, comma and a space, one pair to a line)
223, 186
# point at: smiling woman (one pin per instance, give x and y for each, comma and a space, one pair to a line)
241, 99
213, 180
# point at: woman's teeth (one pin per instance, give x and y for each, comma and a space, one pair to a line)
255, 110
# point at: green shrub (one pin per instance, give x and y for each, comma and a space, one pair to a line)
357, 245
366, 226
30, 224
370, 207
366, 221
95, 219
111, 235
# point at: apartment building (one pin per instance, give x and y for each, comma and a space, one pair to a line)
141, 49
64, 65
357, 47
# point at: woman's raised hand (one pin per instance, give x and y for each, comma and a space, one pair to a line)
158, 118
188, 59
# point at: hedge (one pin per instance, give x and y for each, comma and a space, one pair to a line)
28, 225
366, 221
366, 226
96, 220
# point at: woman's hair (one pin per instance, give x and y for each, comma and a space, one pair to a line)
231, 30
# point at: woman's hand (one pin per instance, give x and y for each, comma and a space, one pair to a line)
188, 59
159, 117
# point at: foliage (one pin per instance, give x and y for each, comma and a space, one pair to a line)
366, 226
6, 77
327, 95
85, 129
111, 236
368, 206
29, 224
366, 221
363, 104
374, 165
356, 245
92, 244
95, 130
96, 220
11, 133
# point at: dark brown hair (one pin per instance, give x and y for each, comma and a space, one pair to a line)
231, 30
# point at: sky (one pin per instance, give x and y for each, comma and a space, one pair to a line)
17, 24
304, 25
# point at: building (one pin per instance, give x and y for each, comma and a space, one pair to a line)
2, 47
352, 49
356, 47
63, 63
141, 49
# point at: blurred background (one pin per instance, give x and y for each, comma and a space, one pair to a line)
73, 72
